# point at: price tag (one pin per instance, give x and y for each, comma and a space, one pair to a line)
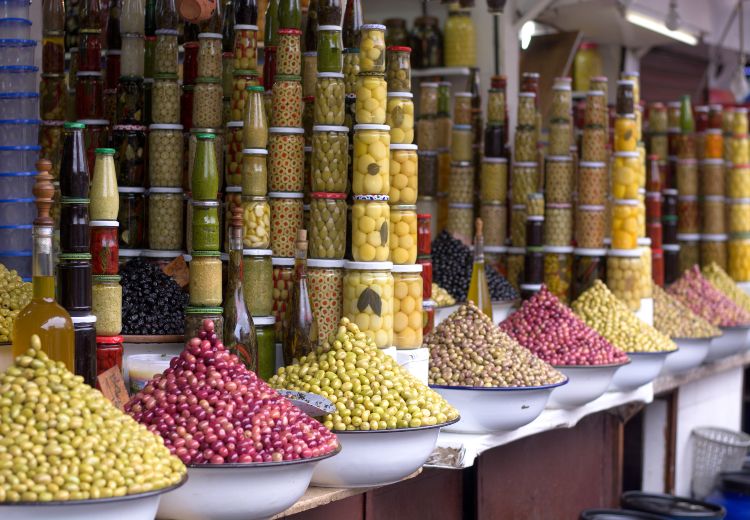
178, 269
112, 386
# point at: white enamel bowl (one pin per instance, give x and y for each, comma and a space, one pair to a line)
642, 369
490, 410
240, 491
690, 354
731, 341
377, 458
585, 384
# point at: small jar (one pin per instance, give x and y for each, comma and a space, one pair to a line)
594, 144
739, 257
132, 59
131, 100
53, 94
205, 279
589, 265
372, 48
132, 217
558, 230
89, 96
625, 224
494, 179
713, 215
625, 177
403, 173
461, 183
329, 49
398, 68
106, 304
165, 148
283, 284
400, 117
286, 218
462, 108
424, 234
403, 234
257, 281
624, 276
287, 102
207, 103
534, 230
85, 347
309, 73
370, 233
209, 55
165, 226
688, 215
494, 215
371, 103
325, 284
558, 271
561, 102
166, 99
254, 172
328, 225
461, 222
286, 159
590, 227
329, 99
266, 339
689, 250
245, 54
560, 138
739, 215
74, 283
713, 249
518, 218
256, 218
205, 226
194, 317
427, 166
108, 354
104, 247
330, 158
462, 140
288, 52
626, 138
524, 181
559, 179
166, 52
368, 299
407, 306
738, 182
351, 69
371, 174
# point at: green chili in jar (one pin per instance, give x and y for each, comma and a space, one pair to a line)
205, 232
264, 332
330, 48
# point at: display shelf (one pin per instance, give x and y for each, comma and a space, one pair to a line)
459, 450
441, 71
668, 383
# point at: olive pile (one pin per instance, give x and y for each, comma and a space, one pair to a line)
674, 319
152, 302
707, 301
468, 350
723, 282
210, 408
62, 440
371, 391
15, 294
610, 317
451, 269
550, 330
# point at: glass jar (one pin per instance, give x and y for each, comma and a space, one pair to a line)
241, 80
257, 281
74, 232
53, 94
713, 215
288, 52
624, 276
739, 215
518, 218
514, 261
534, 230
287, 102
205, 279
165, 146
559, 179
407, 306
688, 215
371, 102
330, 47
689, 250
626, 138
560, 138
330, 158
558, 271
525, 147
712, 178
398, 68
283, 284
166, 52
132, 218
462, 140
329, 99
130, 100
74, 282
194, 317
625, 224
494, 179
428, 134
254, 119
166, 99
591, 223
424, 234
286, 159
494, 215
234, 147
713, 249
527, 109
254, 172
558, 229
524, 181
325, 281
309, 73
165, 226
594, 144
104, 247
372, 48
89, 96
209, 55
207, 102
589, 265
533, 268
370, 233
427, 166
205, 226
218, 148
400, 117
459, 47
285, 219
186, 106
687, 177
108, 354
403, 174
461, 183
428, 99
427, 43
368, 299
256, 216
351, 70
371, 174
403, 234
106, 304
461, 222
625, 177
328, 225
738, 182
739, 257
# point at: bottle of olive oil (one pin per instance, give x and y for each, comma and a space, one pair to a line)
479, 291
300, 327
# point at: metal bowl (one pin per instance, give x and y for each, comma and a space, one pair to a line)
732, 341
642, 369
585, 384
689, 355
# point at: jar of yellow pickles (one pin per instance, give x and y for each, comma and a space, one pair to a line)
713, 249
400, 117
461, 183
739, 216
625, 224
739, 181
625, 175
558, 271
371, 103
459, 40
461, 222
462, 139
372, 48
624, 276
403, 234
687, 177
403, 173
370, 228
493, 179
626, 138
368, 299
371, 167
739, 257
407, 306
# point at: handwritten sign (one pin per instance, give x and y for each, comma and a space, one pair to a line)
112, 386
178, 269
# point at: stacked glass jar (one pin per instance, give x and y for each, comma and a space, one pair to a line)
738, 191
713, 189
432, 131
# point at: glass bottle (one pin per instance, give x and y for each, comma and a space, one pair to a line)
271, 35
654, 177
132, 16
300, 328
43, 316
239, 330
90, 15
255, 127
74, 170
246, 12
204, 182
353, 20
53, 16
214, 22
687, 123
190, 32
166, 15
227, 41
329, 11
310, 36
290, 14
114, 39
150, 20
105, 200
479, 291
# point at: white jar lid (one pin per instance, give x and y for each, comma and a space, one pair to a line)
329, 27
398, 146
644, 242
322, 263
626, 154
233, 189
714, 238
384, 128
83, 319
285, 130
688, 237
562, 250
282, 261
161, 253
368, 266
330, 128
516, 250
245, 27
165, 190
285, 195
264, 321
495, 249
625, 253
407, 268
525, 164
337, 75
493, 160
591, 207
595, 93
254, 151
559, 158
213, 36
104, 223
257, 252
163, 126
671, 247
586, 251
589, 164
131, 252
235, 124
408, 95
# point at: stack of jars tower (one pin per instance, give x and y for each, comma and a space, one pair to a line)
657, 167
559, 189
686, 182
738, 192
712, 190
431, 200
669, 217
589, 257
629, 261
461, 179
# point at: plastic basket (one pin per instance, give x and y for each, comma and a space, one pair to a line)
715, 450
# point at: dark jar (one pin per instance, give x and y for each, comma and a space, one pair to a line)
130, 101
129, 142
74, 283
89, 95
108, 353
74, 226
105, 249
427, 43
85, 348
132, 218
533, 266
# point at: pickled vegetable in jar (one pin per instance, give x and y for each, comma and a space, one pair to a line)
287, 102
561, 102
524, 180
327, 225
205, 229
289, 53
398, 68
286, 219
329, 99
738, 181
712, 180
689, 250
330, 48
165, 225
209, 55
594, 144
89, 95
560, 138
462, 140
205, 279
283, 284
372, 48
129, 142
245, 47
407, 306
688, 211
403, 174
371, 102
255, 123
495, 218
558, 271
166, 100
428, 137
713, 249
525, 147
460, 222
739, 257
207, 103
400, 117
368, 299
286, 159
241, 80
370, 228
254, 172
403, 234
330, 158
589, 265
626, 137
739, 216
559, 179
590, 225
459, 41
461, 186
558, 229
687, 177
371, 175
133, 53
625, 224
166, 52
624, 276
325, 281
626, 178
256, 217
257, 281
132, 217
526, 109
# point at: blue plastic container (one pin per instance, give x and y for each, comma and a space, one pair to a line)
17, 185
673, 507
733, 493
15, 28
19, 132
19, 105
15, 238
18, 78
18, 158
17, 51
18, 260
14, 8
17, 212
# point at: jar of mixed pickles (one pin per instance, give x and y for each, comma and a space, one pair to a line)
398, 68
129, 141
370, 233
461, 183
286, 217
330, 49
403, 234
207, 103
241, 80
495, 218
400, 117
559, 179
165, 210
558, 271
738, 181
257, 281
713, 249
286, 159
205, 279
594, 144
739, 216
325, 283
371, 160
739, 257
407, 306
245, 47
368, 299
165, 147
589, 265
427, 165
712, 178
558, 229
460, 222
403, 174
254, 172
524, 180
371, 102
590, 227
625, 276
132, 217
328, 225
494, 179
689, 250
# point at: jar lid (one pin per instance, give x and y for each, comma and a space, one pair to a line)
497, 203
255, 88
246, 72
129, 128
626, 154
427, 153
337, 75
235, 124
88, 74
161, 253
525, 164
254, 151
74, 256
688, 237
626, 82
109, 340
559, 158
204, 254
131, 252
287, 77
591, 207
197, 131
166, 32
527, 94
595, 93
131, 190
94, 122
535, 218
368, 266
457, 205
162, 126
626, 116
714, 198
686, 161
398, 48
210, 35
372, 26
264, 321
384, 128
404, 207
83, 319
738, 201
106, 278
462, 128
330, 128
70, 125
245, 27
687, 198
670, 191
519, 207
644, 241
206, 136
590, 164
429, 304
655, 195
165, 190
104, 223
626, 202
675, 248
285, 130
625, 253
399, 146
69, 200
285, 195
233, 189
587, 251
713, 238
204, 203
372, 198
559, 205
282, 261
321, 263
531, 287
257, 252
563, 250
203, 310
325, 195
516, 250
494, 160
407, 268
104, 151
407, 95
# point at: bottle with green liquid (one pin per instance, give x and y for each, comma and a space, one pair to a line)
479, 291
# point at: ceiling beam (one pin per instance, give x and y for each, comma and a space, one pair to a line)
532, 10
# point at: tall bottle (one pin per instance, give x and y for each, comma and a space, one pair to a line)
271, 35
53, 19
90, 17
43, 316
204, 182
353, 20
255, 128
227, 32
166, 15
687, 123
74, 169
214, 22
300, 327
114, 37
479, 291
310, 33
239, 330
290, 14
105, 201
246, 12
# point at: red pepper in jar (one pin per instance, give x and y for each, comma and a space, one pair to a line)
269, 68
424, 235
190, 63
105, 249
657, 266
655, 233
426, 277
108, 353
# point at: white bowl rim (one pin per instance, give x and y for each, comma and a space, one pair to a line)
502, 388
734, 328
658, 353
398, 430
249, 465
95, 501
709, 338
609, 365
